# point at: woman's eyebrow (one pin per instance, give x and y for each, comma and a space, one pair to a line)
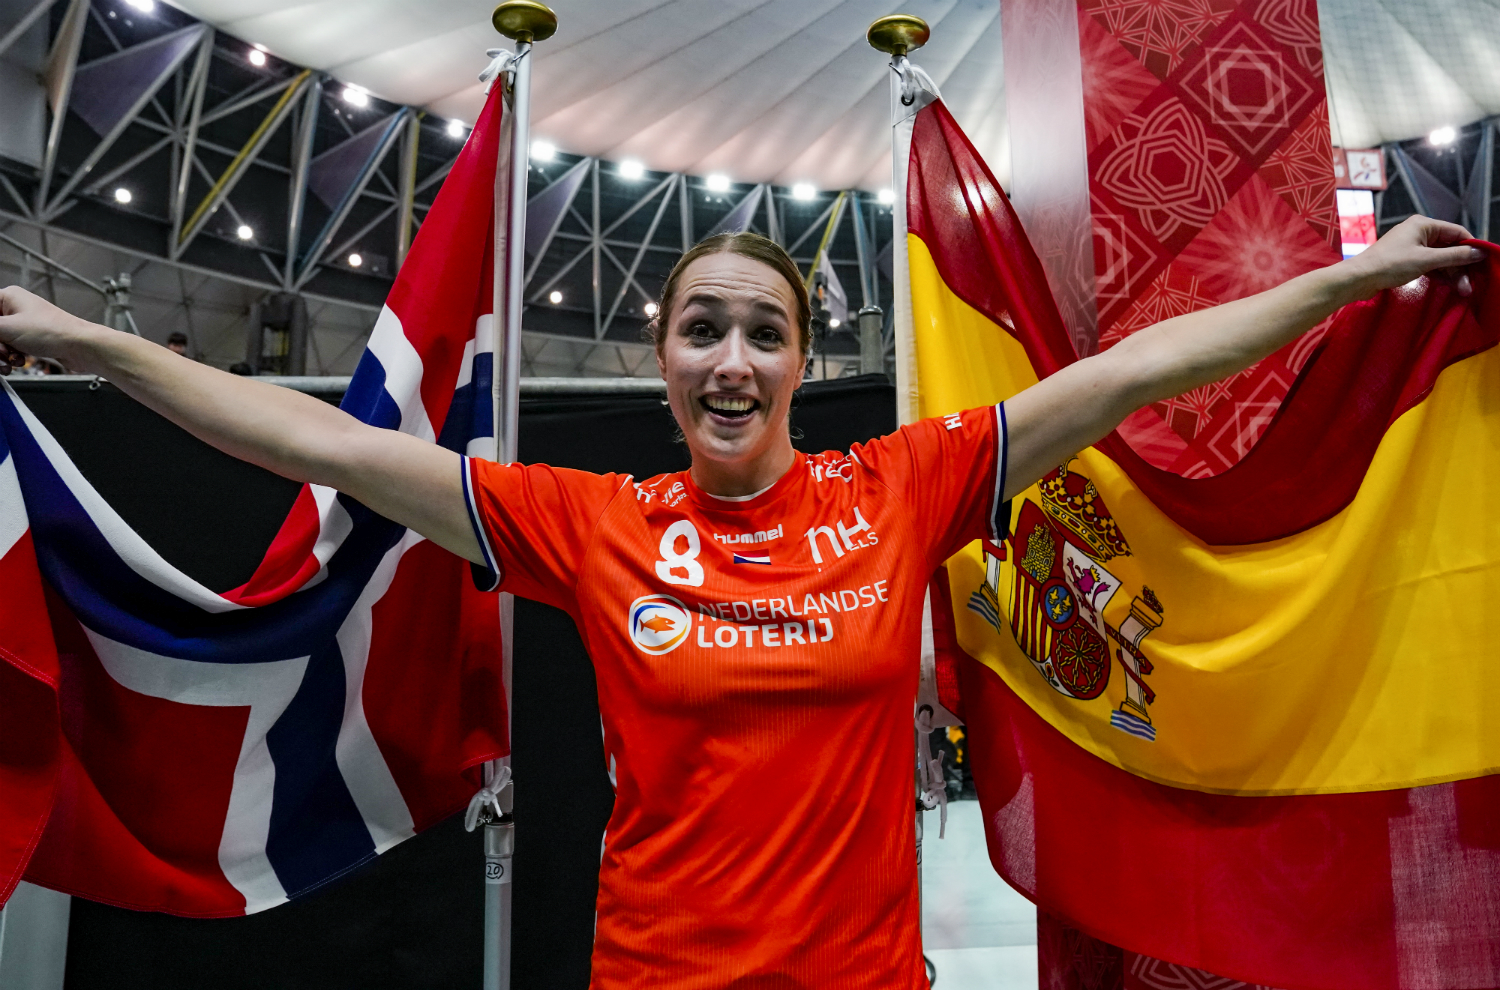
713, 301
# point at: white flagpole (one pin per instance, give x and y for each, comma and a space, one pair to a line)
911, 90
524, 22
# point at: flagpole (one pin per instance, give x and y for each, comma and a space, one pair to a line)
896, 35
524, 22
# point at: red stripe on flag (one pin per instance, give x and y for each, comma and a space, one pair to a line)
148, 842
447, 278
29, 726
1378, 359
1339, 890
288, 563
455, 685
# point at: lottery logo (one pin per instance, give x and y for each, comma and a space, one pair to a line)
659, 623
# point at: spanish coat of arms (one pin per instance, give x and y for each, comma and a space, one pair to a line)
1054, 592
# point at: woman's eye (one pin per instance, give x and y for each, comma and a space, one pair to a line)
767, 337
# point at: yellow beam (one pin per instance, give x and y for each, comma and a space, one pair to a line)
247, 153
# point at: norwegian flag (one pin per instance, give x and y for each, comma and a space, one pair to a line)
170, 748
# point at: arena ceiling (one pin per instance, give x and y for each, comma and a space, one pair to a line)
787, 90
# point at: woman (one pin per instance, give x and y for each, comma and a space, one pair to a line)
744, 611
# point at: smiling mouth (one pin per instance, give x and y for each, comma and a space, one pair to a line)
733, 407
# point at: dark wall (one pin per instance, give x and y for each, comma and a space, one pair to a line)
412, 919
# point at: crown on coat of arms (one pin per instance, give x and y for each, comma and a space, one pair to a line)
1074, 503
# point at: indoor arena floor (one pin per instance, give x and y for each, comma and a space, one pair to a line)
978, 932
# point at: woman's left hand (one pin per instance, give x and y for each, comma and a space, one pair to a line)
1411, 249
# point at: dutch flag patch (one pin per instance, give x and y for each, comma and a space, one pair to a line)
752, 558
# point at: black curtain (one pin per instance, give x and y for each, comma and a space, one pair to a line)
413, 918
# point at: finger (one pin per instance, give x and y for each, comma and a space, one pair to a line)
1465, 287
1453, 257
1439, 233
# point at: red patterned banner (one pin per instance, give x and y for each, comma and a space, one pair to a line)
1209, 178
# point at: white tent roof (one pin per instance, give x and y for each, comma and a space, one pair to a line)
786, 91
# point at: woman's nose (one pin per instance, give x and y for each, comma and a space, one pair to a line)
734, 358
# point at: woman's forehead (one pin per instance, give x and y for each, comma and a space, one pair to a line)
727, 278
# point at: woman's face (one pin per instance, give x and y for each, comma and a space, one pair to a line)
731, 358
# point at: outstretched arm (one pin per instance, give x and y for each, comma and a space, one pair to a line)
1082, 403
404, 479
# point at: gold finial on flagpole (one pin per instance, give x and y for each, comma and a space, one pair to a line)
898, 34
525, 20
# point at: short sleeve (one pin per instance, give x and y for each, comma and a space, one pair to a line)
951, 471
534, 524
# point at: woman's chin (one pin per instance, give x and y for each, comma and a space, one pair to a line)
727, 443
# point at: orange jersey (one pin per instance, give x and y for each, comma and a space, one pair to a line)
757, 663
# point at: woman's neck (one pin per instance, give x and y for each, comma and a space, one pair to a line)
737, 479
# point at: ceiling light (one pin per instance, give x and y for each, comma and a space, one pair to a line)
456, 128
356, 97
257, 57
885, 197
554, 297
649, 309
804, 190
144, 6
1442, 136
355, 260
543, 151
244, 232
718, 182
630, 169
122, 195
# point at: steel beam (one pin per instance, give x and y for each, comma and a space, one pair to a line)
316, 250
234, 278
597, 250
62, 64
865, 253
635, 263
104, 180
297, 189
24, 24
410, 140
1480, 193
235, 104
557, 222
197, 85
812, 226
107, 142
51, 265
236, 170
15, 195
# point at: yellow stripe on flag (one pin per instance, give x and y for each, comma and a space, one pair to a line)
1357, 655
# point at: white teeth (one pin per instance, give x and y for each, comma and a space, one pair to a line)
724, 403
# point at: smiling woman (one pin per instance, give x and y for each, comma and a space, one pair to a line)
734, 856
731, 344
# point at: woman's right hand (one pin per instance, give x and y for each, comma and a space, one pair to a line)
31, 325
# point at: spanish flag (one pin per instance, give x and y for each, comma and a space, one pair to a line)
1245, 723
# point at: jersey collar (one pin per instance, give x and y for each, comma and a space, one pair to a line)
795, 476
